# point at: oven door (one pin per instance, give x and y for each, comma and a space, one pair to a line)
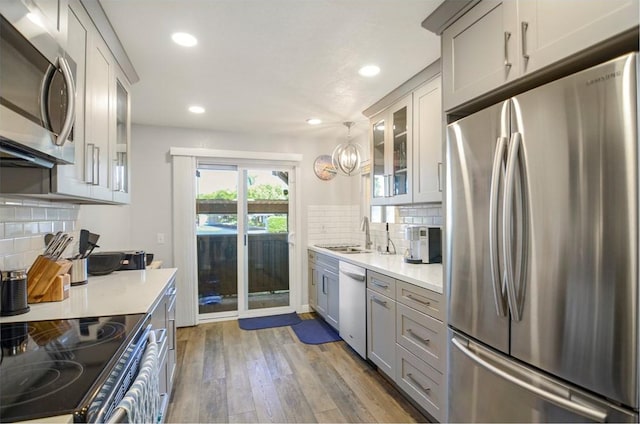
37, 101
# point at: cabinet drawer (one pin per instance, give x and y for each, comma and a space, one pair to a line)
422, 382
381, 284
421, 299
421, 335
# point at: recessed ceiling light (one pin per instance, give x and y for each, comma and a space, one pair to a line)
314, 121
196, 109
184, 39
369, 71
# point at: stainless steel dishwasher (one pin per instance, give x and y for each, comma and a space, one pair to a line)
352, 312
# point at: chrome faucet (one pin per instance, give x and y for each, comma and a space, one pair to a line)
364, 226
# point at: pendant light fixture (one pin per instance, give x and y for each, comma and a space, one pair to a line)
346, 156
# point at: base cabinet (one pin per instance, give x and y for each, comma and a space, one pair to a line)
163, 322
381, 331
327, 295
406, 339
420, 381
312, 279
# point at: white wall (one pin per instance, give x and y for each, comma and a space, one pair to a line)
136, 226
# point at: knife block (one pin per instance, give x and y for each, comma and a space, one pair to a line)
59, 289
42, 275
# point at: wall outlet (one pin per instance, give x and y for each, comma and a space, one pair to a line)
160, 237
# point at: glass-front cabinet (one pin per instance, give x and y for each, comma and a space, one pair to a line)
391, 140
120, 146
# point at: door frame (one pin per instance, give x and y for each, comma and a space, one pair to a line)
184, 161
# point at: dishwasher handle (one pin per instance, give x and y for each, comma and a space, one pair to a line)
355, 276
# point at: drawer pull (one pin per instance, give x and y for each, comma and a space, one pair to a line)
417, 383
375, 283
380, 302
415, 299
415, 336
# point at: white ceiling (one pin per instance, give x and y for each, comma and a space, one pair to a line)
268, 65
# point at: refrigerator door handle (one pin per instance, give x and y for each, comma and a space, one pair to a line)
507, 208
581, 408
497, 174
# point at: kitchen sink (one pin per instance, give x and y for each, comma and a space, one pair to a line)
346, 249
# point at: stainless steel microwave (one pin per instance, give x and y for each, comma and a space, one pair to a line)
37, 97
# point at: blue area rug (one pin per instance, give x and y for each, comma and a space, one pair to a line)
268, 322
315, 331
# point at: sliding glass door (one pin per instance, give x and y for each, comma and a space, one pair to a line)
267, 232
242, 239
217, 238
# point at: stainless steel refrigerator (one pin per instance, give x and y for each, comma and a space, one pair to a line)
541, 266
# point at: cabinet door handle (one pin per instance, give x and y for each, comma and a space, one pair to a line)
524, 26
415, 299
95, 179
380, 302
172, 339
417, 383
440, 177
375, 283
507, 64
88, 162
417, 337
324, 290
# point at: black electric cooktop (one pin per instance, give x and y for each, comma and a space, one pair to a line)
51, 368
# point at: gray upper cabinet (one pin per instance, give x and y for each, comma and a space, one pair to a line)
53, 15
427, 142
102, 129
391, 135
497, 42
551, 29
120, 145
70, 179
479, 51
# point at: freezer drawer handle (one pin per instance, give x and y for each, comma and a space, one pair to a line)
415, 299
591, 413
417, 383
417, 337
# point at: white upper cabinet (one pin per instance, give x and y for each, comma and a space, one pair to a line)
427, 142
53, 15
551, 29
497, 42
69, 179
479, 51
391, 135
99, 89
121, 141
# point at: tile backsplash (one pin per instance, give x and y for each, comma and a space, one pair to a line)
23, 224
341, 224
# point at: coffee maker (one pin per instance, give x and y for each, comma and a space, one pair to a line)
412, 234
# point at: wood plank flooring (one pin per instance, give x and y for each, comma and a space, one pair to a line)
225, 374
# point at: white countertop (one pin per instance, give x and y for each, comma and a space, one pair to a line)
428, 276
119, 293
